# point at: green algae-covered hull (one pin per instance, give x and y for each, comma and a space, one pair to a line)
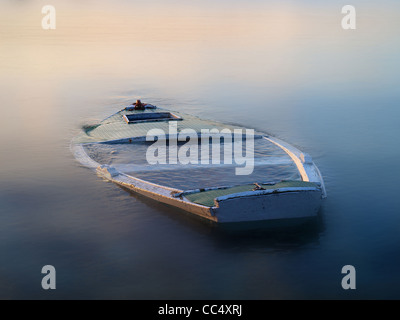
202, 190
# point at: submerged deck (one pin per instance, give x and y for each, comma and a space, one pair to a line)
271, 164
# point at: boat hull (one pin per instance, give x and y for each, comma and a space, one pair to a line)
271, 206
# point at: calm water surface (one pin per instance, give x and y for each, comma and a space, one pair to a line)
284, 68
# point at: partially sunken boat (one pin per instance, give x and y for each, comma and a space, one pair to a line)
284, 182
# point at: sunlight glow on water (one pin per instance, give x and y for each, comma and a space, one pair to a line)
284, 68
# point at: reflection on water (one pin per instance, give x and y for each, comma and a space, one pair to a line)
284, 68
